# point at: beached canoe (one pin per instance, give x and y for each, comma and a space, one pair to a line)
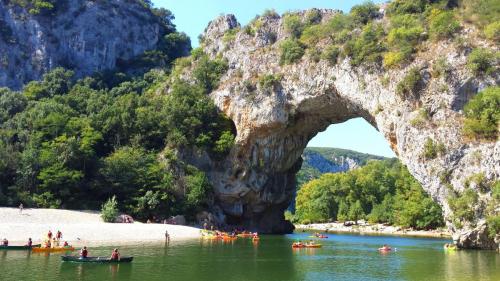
19, 247
95, 259
53, 250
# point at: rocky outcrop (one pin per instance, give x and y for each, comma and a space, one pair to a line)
255, 183
83, 35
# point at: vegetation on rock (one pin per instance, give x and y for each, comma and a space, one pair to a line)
482, 115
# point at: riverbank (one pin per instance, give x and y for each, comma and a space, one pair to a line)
366, 228
84, 228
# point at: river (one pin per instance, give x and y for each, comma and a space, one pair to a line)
342, 257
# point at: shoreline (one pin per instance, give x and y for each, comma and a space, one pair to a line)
84, 228
365, 228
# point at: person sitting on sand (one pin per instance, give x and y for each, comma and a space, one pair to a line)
46, 244
65, 244
30, 242
84, 252
115, 255
5, 242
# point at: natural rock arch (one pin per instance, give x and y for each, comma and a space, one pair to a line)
275, 121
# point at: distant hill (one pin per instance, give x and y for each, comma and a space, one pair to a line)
320, 160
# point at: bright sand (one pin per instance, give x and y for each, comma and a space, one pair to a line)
83, 228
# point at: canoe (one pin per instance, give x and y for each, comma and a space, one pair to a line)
19, 247
96, 259
296, 246
52, 250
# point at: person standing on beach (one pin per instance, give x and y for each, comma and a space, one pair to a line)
21, 208
167, 236
58, 235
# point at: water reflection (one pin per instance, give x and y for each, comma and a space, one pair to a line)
342, 257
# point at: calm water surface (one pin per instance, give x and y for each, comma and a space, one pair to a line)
343, 257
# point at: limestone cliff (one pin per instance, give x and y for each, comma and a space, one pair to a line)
255, 183
83, 35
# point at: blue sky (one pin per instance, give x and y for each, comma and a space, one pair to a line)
192, 16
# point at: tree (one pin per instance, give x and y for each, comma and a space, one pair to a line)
356, 212
109, 210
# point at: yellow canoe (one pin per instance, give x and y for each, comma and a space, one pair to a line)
51, 250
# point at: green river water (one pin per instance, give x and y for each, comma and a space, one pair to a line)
342, 257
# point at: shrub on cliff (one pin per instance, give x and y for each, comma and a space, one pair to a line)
482, 115
367, 47
363, 13
291, 51
492, 31
442, 24
463, 205
481, 61
408, 87
293, 24
109, 210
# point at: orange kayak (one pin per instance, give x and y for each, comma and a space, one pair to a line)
52, 250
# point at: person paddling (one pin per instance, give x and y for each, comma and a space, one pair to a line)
5, 242
115, 255
385, 248
30, 242
84, 252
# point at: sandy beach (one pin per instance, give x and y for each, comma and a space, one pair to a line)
364, 227
84, 228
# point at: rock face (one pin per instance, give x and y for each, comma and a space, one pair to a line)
255, 183
84, 35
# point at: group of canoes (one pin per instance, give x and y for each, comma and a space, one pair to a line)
310, 244
228, 236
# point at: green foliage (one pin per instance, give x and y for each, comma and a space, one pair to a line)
421, 118
482, 115
492, 31
269, 81
291, 51
198, 188
230, 35
56, 82
109, 210
356, 211
331, 54
442, 24
367, 47
408, 87
480, 12
293, 24
313, 16
224, 143
400, 7
493, 225
481, 61
382, 189
463, 205
432, 149
405, 34
363, 13
440, 68
208, 72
